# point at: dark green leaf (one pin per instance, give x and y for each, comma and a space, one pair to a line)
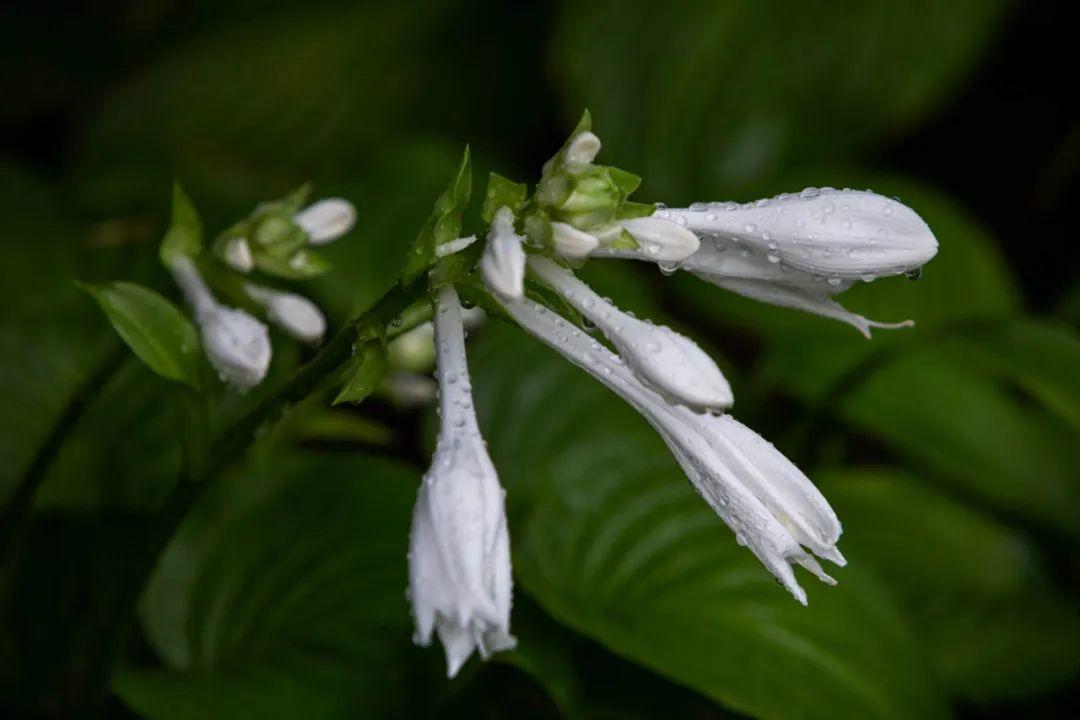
502, 192
1043, 357
367, 373
281, 597
444, 223
612, 541
727, 93
184, 237
977, 590
155, 330
934, 411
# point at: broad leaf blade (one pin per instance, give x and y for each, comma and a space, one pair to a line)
612, 541
977, 591
282, 590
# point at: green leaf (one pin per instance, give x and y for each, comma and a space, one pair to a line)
281, 597
502, 192
937, 413
612, 541
1040, 356
728, 94
155, 330
184, 237
444, 223
977, 591
367, 373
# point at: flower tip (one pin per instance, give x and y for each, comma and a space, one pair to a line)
662, 240
571, 242
582, 149
237, 345
298, 316
326, 220
238, 255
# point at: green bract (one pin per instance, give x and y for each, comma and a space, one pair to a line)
583, 194
184, 237
444, 223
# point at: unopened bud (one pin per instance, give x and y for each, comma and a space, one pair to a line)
326, 220
238, 255
503, 262
570, 242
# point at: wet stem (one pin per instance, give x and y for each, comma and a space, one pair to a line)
203, 463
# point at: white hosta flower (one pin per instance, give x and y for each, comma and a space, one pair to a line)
293, 313
570, 242
459, 548
846, 234
771, 507
798, 250
657, 239
326, 220
503, 262
669, 362
237, 345
238, 255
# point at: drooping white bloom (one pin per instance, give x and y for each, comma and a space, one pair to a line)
238, 255
503, 261
658, 240
570, 242
798, 250
669, 362
326, 220
293, 313
770, 506
459, 548
237, 345
847, 234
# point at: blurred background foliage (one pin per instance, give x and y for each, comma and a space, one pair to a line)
950, 451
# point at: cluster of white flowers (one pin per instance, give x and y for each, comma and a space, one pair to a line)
237, 344
795, 250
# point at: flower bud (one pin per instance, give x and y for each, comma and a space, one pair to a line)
503, 262
570, 242
658, 240
237, 345
671, 363
238, 255
835, 233
293, 313
326, 220
582, 149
